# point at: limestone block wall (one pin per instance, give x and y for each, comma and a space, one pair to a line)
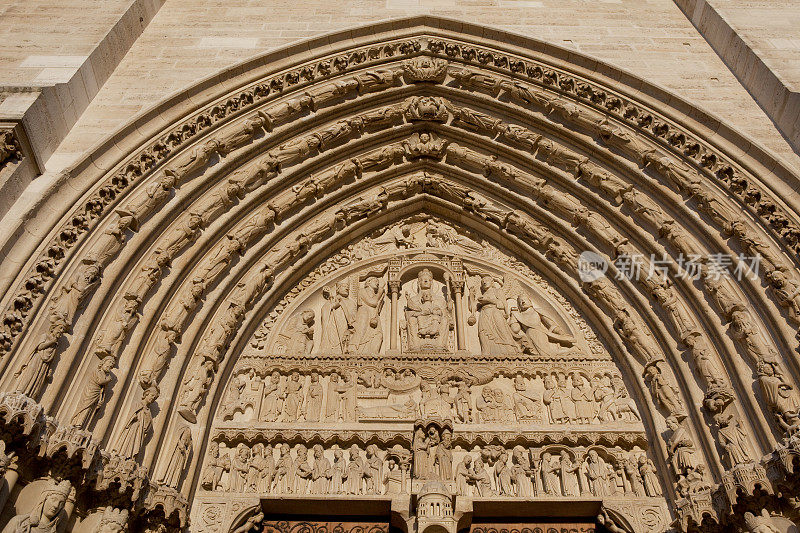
191, 39
759, 43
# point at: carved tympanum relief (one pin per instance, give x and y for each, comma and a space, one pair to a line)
426, 297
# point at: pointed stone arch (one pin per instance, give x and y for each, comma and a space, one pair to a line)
183, 230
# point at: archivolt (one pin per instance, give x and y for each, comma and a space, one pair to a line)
287, 160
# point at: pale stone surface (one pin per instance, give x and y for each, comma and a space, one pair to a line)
651, 39
372, 296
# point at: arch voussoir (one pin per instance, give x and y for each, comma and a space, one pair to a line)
185, 262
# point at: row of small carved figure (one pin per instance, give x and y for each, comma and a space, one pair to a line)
568, 399
258, 470
491, 471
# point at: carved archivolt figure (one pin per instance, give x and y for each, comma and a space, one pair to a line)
132, 439
34, 374
733, 438
780, 396
368, 330
494, 334
338, 319
94, 393
663, 392
680, 447
46, 516
111, 339
178, 460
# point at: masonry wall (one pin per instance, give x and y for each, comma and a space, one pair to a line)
190, 39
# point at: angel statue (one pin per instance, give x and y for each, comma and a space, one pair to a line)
535, 331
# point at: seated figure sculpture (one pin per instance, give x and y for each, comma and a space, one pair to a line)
428, 317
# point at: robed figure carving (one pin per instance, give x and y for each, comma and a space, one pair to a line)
428, 317
47, 515
132, 439
338, 319
534, 330
494, 333
368, 330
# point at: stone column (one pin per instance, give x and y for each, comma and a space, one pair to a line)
9, 480
460, 338
394, 329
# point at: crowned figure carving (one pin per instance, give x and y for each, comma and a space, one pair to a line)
47, 515
428, 316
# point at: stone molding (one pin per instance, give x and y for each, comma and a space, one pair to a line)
569, 178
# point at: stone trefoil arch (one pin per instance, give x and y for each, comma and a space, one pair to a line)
180, 323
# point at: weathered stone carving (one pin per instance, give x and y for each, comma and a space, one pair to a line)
428, 316
113, 521
565, 111
178, 460
46, 516
94, 393
426, 108
137, 429
425, 69
337, 319
9, 147
494, 333
367, 334
321, 470
300, 335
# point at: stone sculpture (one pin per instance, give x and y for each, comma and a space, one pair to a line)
94, 393
428, 318
177, 462
46, 516
337, 319
136, 430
